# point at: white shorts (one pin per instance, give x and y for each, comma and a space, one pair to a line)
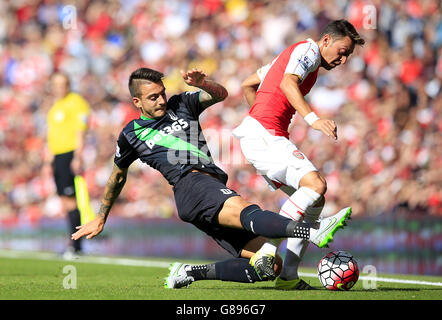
274, 157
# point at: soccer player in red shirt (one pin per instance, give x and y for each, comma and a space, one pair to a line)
275, 93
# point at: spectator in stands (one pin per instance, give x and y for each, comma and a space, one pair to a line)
391, 96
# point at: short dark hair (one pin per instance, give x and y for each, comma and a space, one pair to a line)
141, 75
341, 28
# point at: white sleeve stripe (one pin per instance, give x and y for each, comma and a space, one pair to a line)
301, 64
298, 60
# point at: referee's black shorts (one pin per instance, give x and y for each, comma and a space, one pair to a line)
63, 175
199, 199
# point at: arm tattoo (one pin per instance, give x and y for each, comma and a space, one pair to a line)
111, 192
212, 93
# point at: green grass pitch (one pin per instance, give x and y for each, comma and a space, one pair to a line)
31, 277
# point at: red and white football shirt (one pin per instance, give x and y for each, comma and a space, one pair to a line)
272, 108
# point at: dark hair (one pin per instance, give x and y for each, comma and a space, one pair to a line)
141, 75
341, 28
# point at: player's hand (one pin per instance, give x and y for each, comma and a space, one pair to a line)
194, 77
328, 127
90, 229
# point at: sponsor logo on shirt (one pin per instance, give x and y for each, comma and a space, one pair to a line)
152, 137
226, 191
166, 138
305, 63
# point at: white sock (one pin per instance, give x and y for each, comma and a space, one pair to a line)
271, 246
294, 207
296, 248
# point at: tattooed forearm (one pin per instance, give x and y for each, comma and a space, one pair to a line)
112, 190
212, 93
104, 211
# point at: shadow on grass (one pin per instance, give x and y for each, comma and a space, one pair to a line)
317, 289
406, 289
385, 289
270, 287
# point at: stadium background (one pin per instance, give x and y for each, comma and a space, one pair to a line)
387, 101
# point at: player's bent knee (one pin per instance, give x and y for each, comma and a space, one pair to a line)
319, 184
315, 182
231, 211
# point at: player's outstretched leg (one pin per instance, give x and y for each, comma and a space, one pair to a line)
178, 276
235, 270
320, 233
328, 227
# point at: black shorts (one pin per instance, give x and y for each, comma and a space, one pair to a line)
63, 175
199, 199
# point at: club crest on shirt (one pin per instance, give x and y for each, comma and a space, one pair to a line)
298, 154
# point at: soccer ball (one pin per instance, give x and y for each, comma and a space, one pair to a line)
337, 270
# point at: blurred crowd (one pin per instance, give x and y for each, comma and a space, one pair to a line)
387, 99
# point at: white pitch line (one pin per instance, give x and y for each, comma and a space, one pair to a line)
165, 264
84, 259
380, 279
